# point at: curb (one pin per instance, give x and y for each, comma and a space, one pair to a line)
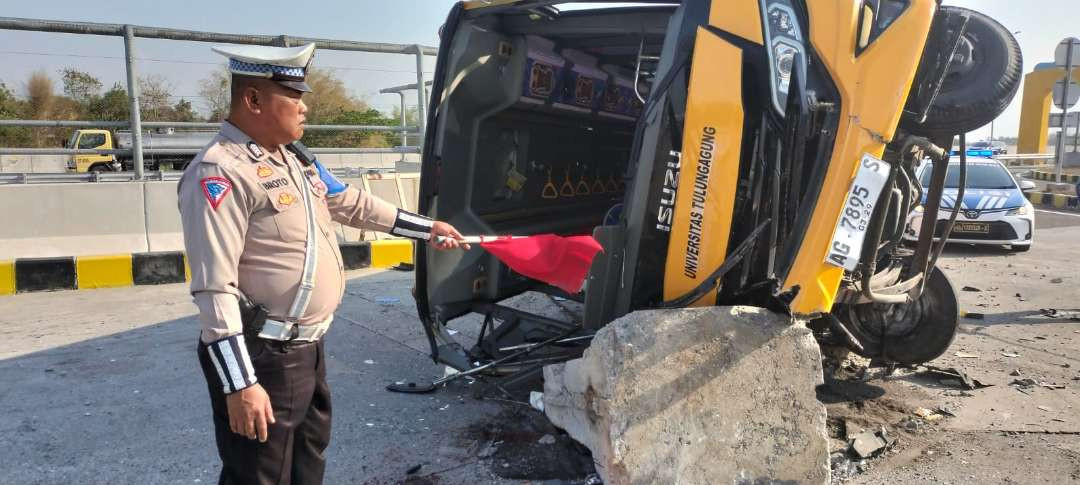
26, 275
1050, 177
1056, 201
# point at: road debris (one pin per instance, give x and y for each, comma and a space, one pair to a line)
971, 288
1066, 314
869, 443
927, 415
536, 400
1010, 354
1045, 408
964, 355
1015, 372
1026, 383
955, 377
945, 411
844, 468
547, 440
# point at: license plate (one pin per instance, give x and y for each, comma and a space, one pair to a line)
979, 227
859, 201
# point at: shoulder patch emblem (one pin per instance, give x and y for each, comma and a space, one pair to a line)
263, 171
254, 149
286, 198
215, 189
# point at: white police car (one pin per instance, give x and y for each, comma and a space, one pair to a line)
994, 210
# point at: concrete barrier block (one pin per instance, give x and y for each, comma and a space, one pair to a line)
164, 232
72, 220
385, 254
41, 274
702, 395
103, 271
330, 160
367, 160
1071, 159
411, 187
406, 167
159, 268
386, 189
7, 277
348, 234
15, 163
48, 163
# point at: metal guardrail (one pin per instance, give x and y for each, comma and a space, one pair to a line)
96, 28
186, 151
150, 176
400, 91
130, 32
1024, 160
187, 125
1025, 156
58, 178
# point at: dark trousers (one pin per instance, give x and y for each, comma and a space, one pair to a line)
294, 375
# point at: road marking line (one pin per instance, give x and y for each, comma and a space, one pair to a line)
1058, 213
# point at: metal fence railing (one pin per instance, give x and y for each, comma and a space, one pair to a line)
136, 125
400, 91
149, 176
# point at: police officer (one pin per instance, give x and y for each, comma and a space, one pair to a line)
266, 270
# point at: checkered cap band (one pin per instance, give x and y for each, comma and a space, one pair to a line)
265, 70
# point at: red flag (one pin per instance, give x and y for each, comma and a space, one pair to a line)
558, 261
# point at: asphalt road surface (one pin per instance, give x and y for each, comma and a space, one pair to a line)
103, 386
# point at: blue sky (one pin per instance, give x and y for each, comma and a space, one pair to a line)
1041, 23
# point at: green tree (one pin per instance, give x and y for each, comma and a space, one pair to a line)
80, 86
352, 139
412, 117
182, 111
11, 108
329, 99
111, 106
330, 103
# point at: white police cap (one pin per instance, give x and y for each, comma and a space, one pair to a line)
284, 65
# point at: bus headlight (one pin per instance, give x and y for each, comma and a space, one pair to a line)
784, 37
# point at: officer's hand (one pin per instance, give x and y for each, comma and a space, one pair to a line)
452, 236
250, 412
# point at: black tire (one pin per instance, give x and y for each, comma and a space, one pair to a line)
101, 167
979, 89
922, 339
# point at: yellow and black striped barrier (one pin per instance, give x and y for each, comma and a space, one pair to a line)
1057, 201
1051, 177
109, 271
